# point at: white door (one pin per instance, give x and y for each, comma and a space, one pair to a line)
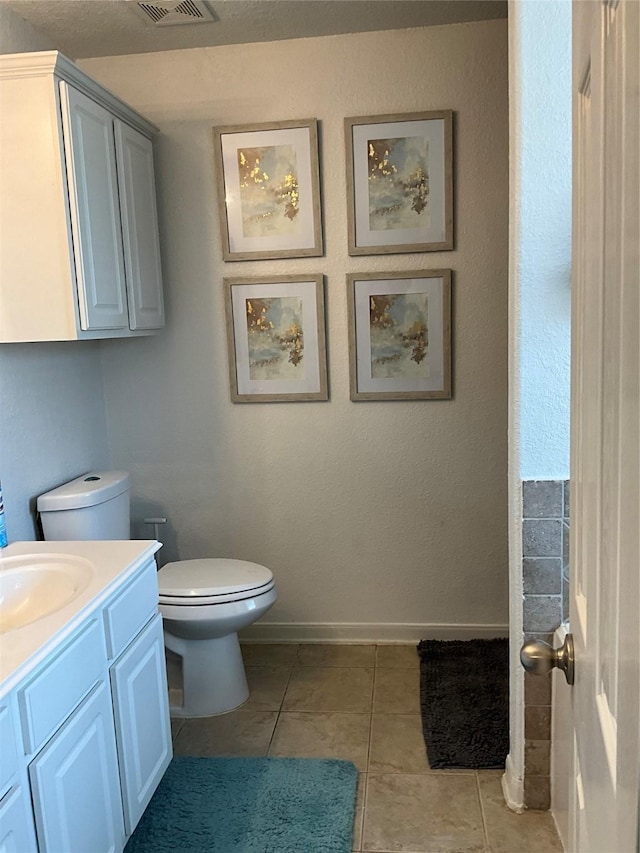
95, 211
605, 463
139, 227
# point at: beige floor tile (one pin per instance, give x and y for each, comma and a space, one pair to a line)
399, 657
322, 735
269, 654
238, 733
531, 832
429, 813
397, 691
314, 688
267, 685
397, 744
335, 655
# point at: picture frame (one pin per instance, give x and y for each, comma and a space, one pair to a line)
400, 335
400, 183
268, 189
276, 338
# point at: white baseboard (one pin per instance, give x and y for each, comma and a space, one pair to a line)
366, 632
513, 788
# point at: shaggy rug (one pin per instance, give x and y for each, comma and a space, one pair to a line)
464, 699
250, 805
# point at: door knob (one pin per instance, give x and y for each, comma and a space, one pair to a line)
540, 658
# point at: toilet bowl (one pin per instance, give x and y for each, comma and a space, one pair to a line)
204, 603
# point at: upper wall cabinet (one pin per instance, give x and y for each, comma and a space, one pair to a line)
79, 248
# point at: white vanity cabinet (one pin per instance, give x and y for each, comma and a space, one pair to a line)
91, 731
140, 695
17, 831
74, 783
79, 253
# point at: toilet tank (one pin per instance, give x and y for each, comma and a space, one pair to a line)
93, 506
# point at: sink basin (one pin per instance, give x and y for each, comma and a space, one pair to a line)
35, 585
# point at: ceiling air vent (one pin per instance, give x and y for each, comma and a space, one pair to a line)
173, 13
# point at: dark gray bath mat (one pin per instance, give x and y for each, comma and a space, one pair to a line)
464, 701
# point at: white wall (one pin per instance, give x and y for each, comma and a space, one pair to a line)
539, 293
52, 420
380, 513
542, 250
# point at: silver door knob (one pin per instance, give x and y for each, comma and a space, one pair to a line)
540, 658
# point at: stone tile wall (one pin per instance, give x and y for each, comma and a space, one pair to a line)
545, 571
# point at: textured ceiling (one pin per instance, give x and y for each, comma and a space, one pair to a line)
84, 28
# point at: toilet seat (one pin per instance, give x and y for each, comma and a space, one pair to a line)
192, 583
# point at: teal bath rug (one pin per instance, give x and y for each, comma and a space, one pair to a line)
250, 805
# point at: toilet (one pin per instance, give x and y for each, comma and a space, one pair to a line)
204, 603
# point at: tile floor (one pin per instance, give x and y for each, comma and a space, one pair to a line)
362, 703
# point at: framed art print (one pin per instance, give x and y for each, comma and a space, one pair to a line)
400, 335
269, 190
276, 338
400, 183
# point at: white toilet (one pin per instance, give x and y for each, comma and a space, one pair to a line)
204, 603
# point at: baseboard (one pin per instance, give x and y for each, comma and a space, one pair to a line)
512, 788
366, 632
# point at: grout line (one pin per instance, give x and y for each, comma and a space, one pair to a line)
485, 830
279, 711
366, 775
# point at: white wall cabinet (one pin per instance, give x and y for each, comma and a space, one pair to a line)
79, 253
86, 738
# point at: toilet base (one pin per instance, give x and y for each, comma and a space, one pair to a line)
213, 677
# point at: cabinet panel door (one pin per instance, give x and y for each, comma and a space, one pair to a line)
139, 227
8, 751
16, 823
143, 728
75, 784
95, 211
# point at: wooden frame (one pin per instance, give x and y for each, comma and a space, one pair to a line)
268, 183
400, 335
400, 183
276, 338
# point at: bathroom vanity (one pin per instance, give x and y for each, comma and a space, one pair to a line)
84, 719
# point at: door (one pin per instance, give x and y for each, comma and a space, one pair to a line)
605, 463
95, 211
139, 227
75, 785
143, 729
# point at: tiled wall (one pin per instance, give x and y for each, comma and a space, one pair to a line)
545, 570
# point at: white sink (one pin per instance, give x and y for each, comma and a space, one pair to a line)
35, 585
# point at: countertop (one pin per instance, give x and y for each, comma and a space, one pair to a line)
113, 562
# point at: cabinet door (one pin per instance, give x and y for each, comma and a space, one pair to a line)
16, 823
143, 728
95, 211
138, 210
75, 785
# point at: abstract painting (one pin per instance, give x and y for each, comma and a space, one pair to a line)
269, 190
276, 338
400, 335
400, 183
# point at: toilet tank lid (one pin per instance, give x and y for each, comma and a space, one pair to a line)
92, 488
